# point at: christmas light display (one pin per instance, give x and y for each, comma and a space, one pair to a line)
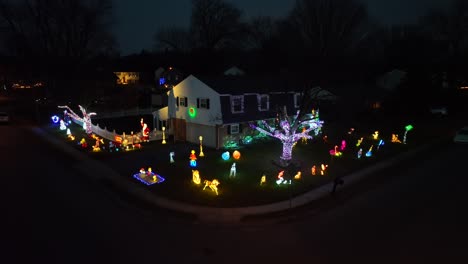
68, 132
375, 136
323, 168
201, 147
232, 173
163, 135
171, 156
359, 142
359, 153
83, 143
313, 170
192, 112
281, 179
263, 180
144, 131
193, 159
225, 155
86, 119
288, 133
343, 145
212, 184
381, 143
369, 152
407, 128
236, 154
148, 177
395, 138
304, 139
55, 119
298, 175
96, 146
351, 130
335, 152
196, 177
62, 125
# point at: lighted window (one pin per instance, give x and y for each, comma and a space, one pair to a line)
234, 129
237, 104
182, 101
203, 103
263, 102
297, 100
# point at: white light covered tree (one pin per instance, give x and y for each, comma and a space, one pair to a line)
86, 119
290, 128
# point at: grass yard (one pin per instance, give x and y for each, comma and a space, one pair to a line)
256, 159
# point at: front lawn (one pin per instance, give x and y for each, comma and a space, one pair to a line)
256, 160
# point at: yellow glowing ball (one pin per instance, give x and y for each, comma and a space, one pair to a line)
236, 155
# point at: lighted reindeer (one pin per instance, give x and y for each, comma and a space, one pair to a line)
212, 184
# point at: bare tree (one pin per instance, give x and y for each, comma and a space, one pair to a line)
261, 31
57, 28
173, 38
214, 23
330, 27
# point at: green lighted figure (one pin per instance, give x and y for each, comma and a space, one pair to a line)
407, 128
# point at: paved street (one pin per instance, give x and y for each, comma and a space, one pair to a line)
57, 215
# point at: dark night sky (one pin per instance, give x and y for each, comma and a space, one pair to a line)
138, 20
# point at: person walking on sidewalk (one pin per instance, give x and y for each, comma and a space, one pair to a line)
337, 181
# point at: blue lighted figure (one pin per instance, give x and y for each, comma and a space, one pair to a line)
193, 159
381, 143
369, 152
171, 156
55, 119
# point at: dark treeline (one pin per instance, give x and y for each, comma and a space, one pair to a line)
323, 39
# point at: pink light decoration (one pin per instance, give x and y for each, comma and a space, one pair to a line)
86, 119
343, 145
335, 152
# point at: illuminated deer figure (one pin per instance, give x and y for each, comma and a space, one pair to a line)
212, 184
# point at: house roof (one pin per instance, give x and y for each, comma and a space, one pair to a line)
252, 84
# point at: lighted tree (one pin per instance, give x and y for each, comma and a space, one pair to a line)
289, 129
86, 119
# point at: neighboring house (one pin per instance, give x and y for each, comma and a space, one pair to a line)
165, 80
217, 108
234, 71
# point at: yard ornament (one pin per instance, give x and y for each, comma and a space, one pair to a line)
407, 128
212, 184
144, 131
68, 132
196, 177
289, 130
225, 155
359, 153
298, 175
201, 147
62, 125
171, 156
395, 138
236, 154
55, 119
381, 143
280, 178
351, 131
343, 145
86, 119
359, 142
369, 152
335, 152
375, 135
83, 143
313, 170
263, 180
232, 173
323, 167
193, 159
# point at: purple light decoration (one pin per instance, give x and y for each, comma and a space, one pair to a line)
290, 132
159, 177
86, 119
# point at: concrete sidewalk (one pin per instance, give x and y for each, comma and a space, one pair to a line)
99, 171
